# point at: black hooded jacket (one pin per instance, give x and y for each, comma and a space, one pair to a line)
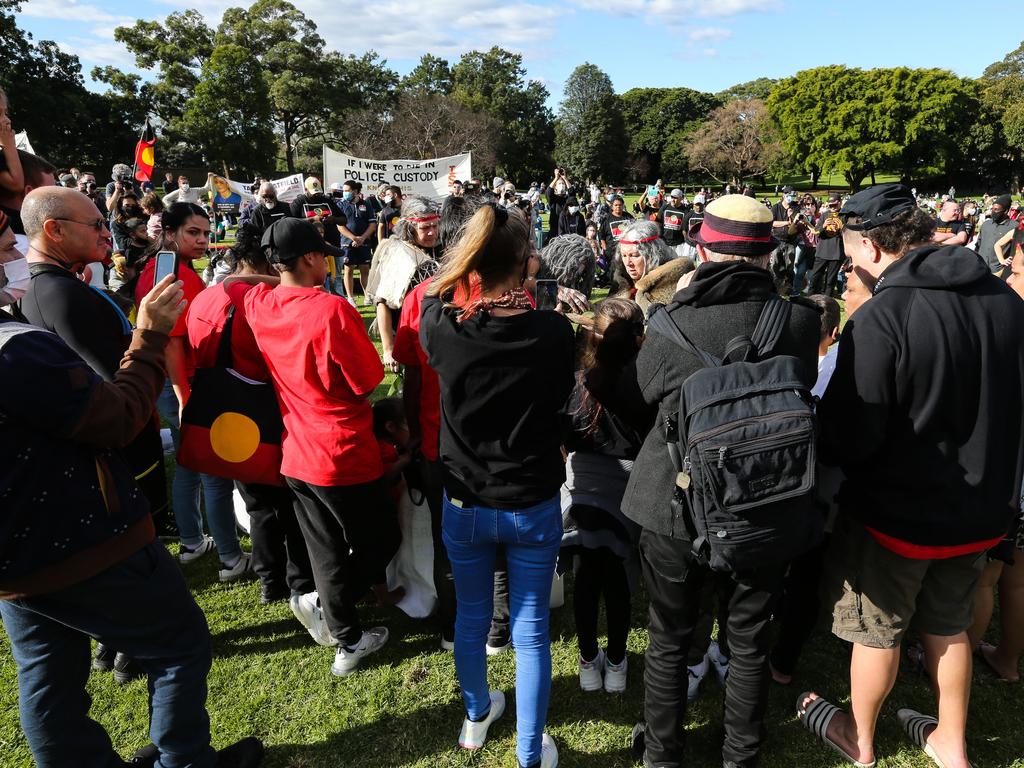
925, 410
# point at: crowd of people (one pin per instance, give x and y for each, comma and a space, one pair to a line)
712, 430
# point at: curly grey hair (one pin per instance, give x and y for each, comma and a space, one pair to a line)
569, 259
655, 251
413, 206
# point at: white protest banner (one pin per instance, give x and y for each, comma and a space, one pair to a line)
288, 188
430, 178
21, 142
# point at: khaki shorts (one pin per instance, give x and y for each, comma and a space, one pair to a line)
878, 595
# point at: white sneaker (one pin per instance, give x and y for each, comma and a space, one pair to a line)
191, 555
615, 676
473, 735
696, 675
310, 615
240, 569
590, 672
497, 650
352, 301
346, 662
548, 752
447, 645
719, 662
367, 301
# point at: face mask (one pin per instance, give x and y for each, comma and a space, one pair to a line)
184, 187
347, 197
998, 218
559, 190
388, 199
609, 197
788, 199
269, 202
132, 210
573, 209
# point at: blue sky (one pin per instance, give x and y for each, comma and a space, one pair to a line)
707, 44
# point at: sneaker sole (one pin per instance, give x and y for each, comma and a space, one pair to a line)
591, 688
340, 672
492, 717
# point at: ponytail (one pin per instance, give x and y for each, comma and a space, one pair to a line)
494, 244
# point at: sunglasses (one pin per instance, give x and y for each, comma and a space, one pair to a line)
99, 224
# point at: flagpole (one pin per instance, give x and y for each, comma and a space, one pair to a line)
135, 159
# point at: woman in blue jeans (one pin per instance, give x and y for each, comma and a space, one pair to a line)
506, 371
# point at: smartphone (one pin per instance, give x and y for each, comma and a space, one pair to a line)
166, 264
547, 294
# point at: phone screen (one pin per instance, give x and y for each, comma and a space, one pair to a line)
166, 264
547, 294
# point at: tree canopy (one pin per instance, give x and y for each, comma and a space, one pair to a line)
590, 136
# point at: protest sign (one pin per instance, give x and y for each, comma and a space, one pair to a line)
430, 178
21, 142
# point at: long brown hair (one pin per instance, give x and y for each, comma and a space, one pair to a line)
611, 344
494, 244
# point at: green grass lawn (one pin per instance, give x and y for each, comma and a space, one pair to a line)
404, 709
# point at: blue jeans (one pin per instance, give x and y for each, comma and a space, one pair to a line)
804, 262
217, 491
141, 606
531, 537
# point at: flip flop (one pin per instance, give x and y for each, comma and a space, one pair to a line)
980, 653
816, 716
915, 725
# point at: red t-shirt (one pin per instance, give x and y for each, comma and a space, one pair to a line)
206, 318
191, 285
323, 366
408, 352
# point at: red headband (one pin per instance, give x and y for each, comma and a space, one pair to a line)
637, 242
419, 219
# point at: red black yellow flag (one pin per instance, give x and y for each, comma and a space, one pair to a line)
144, 154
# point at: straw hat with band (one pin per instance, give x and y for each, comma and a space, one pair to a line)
735, 225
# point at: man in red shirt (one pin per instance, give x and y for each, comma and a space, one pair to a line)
324, 369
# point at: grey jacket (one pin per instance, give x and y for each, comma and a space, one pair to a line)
661, 368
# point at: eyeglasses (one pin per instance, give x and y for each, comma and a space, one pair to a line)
99, 224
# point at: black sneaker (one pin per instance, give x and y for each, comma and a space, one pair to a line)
126, 669
145, 757
269, 594
247, 753
103, 658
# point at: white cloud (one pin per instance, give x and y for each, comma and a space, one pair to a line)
71, 10
709, 33
709, 52
682, 10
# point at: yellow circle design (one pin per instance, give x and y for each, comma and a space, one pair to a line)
147, 155
234, 437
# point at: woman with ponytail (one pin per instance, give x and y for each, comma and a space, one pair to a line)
506, 371
185, 229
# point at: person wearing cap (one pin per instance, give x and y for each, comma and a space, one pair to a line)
992, 231
314, 204
324, 368
671, 219
723, 300
829, 254
924, 416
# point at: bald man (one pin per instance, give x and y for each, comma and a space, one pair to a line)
269, 208
949, 226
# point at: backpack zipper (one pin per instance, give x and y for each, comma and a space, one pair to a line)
752, 420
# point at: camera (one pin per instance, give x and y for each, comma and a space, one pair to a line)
90, 187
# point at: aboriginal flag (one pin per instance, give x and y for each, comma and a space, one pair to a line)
144, 154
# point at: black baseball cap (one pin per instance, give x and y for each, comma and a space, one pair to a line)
878, 205
289, 238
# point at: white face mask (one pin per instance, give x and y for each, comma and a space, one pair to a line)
269, 203
559, 190
609, 197
573, 209
388, 199
184, 187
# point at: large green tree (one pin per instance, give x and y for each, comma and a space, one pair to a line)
229, 114
659, 123
494, 82
1003, 102
590, 136
432, 75
735, 143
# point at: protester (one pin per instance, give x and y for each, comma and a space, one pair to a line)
571, 221
605, 438
992, 231
14, 274
186, 193
279, 556
671, 218
270, 209
402, 261
390, 214
723, 300
505, 372
356, 227
614, 224
949, 225
829, 255
186, 232
54, 599
640, 250
557, 198
12, 179
929, 485
330, 458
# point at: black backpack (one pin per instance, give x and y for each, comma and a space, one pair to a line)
743, 444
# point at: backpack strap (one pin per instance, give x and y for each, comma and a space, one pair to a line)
770, 323
663, 324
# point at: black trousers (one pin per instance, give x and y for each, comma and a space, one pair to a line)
823, 276
600, 572
675, 583
279, 555
348, 531
799, 608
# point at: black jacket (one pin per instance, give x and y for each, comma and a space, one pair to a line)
723, 301
924, 412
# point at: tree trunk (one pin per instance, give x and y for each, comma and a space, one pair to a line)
873, 175
289, 149
815, 175
854, 177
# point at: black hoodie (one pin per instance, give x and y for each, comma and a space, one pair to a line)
924, 412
